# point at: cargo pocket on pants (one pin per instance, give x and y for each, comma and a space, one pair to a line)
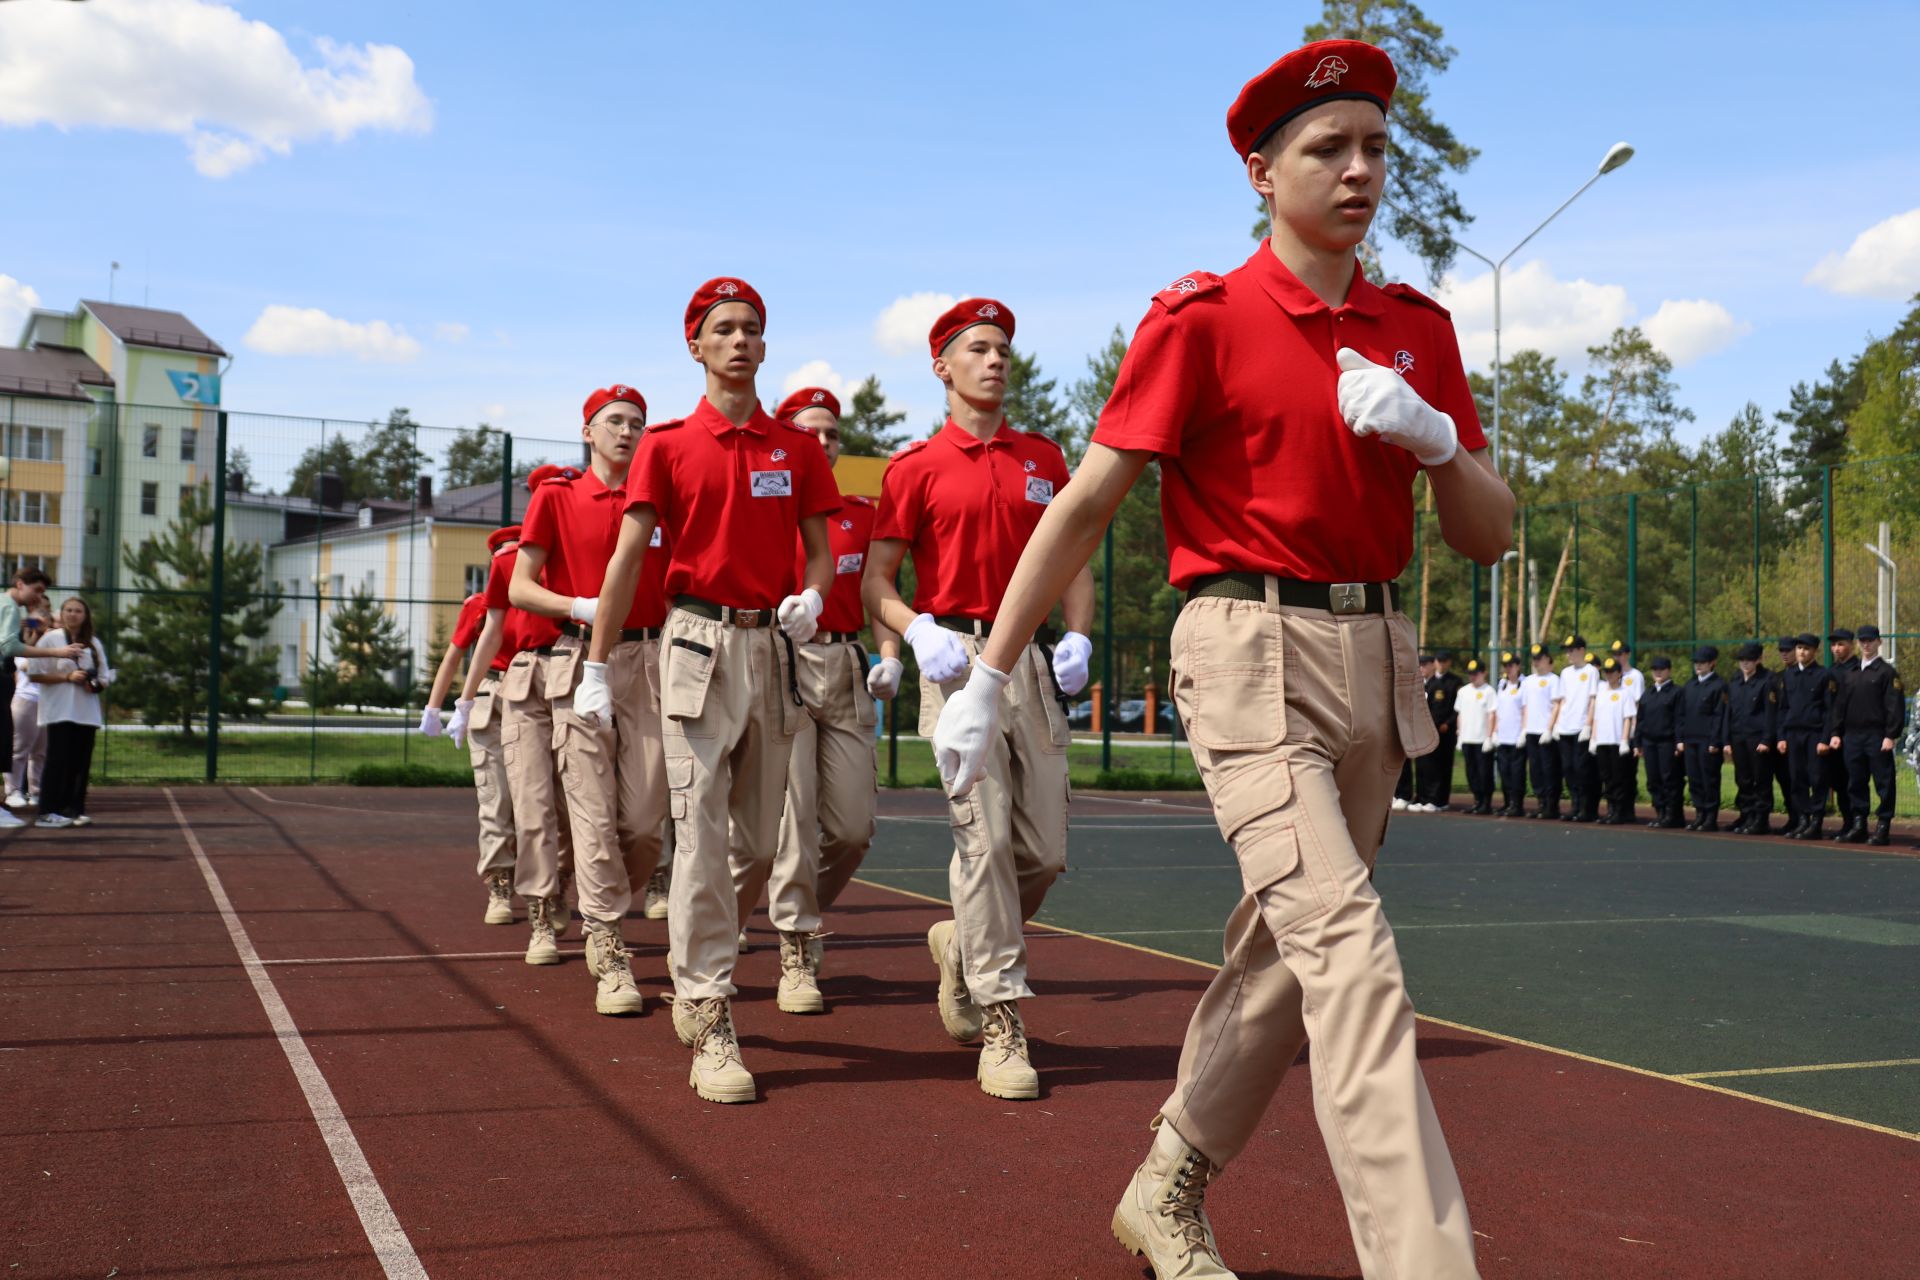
866, 710
1227, 680
963, 816
1418, 733
518, 682
679, 786
689, 671
563, 669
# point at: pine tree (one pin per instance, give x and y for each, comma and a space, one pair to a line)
367, 652
1030, 404
474, 457
868, 429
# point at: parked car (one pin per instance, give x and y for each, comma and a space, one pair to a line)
1081, 715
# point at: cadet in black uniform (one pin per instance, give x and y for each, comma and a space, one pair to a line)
1782, 774
1845, 665
1433, 772
1404, 796
1806, 727
1656, 733
1703, 735
1754, 724
1871, 716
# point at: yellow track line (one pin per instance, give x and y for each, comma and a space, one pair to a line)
1690, 1082
1787, 1071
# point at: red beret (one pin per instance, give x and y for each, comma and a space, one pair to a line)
965, 314
608, 395
1324, 71
716, 291
808, 398
549, 471
501, 537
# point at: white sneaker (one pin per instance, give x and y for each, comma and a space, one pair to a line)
1399, 805
48, 820
83, 821
15, 800
10, 820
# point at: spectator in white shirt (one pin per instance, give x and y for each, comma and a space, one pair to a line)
70, 709
29, 739
1473, 704
1609, 740
1510, 736
1540, 698
1578, 683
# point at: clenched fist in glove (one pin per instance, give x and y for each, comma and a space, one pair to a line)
800, 615
584, 607
591, 701
430, 722
1376, 401
938, 651
457, 727
1070, 662
883, 679
966, 728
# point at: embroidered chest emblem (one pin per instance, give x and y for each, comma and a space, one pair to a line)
1402, 361
779, 455
1031, 465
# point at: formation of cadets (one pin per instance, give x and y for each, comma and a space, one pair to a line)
1822, 734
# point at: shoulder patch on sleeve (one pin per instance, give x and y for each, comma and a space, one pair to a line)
911, 449
1413, 295
858, 500
1188, 287
668, 425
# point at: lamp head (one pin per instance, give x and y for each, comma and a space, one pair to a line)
1618, 154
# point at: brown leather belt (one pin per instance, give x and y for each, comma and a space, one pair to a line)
1335, 597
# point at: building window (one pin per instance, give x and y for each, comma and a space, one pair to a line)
90, 578
476, 579
94, 459
28, 507
150, 440
149, 497
93, 520
186, 495
49, 565
189, 444
36, 444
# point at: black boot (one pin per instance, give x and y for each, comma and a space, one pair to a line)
1856, 832
1743, 826
1815, 828
1846, 829
1762, 825
1882, 832
1709, 821
1676, 817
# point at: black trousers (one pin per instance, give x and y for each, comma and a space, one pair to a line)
1615, 766
1581, 773
1543, 761
1782, 773
1809, 772
63, 779
1512, 761
1663, 774
1479, 771
1403, 789
1838, 781
1433, 772
1866, 761
1703, 776
1753, 777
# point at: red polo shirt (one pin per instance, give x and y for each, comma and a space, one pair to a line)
1232, 381
848, 533
729, 497
466, 627
523, 630
577, 522
965, 508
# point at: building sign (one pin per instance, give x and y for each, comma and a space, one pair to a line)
196, 388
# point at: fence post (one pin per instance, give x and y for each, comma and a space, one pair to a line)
1473, 627
218, 599
506, 479
1756, 557
1826, 559
1633, 574
1576, 567
1106, 660
1693, 567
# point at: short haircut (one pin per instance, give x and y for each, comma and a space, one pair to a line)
32, 578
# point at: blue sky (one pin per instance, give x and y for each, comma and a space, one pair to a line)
522, 203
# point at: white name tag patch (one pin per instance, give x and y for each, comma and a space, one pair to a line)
655, 540
1038, 490
773, 484
852, 562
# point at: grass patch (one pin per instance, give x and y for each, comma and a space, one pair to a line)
407, 775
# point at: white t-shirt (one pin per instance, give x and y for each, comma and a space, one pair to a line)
25, 687
69, 703
1578, 680
1473, 708
1509, 703
1634, 683
1612, 708
1539, 693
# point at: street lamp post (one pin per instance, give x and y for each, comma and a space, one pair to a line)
1618, 154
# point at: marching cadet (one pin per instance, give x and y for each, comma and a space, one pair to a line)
1658, 728
1703, 735
481, 728
828, 821
1578, 682
1871, 718
1609, 739
732, 488
613, 771
1782, 773
1540, 698
1753, 725
1509, 737
1434, 772
1292, 668
964, 503
1844, 664
1807, 704
1404, 794
1635, 683
1473, 707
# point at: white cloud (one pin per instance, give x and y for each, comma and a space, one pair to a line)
902, 327
1693, 329
16, 300
1882, 262
493, 412
1562, 318
818, 373
451, 331
229, 87
309, 331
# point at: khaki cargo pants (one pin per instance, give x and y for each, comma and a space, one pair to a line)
615, 776
490, 779
1010, 831
726, 696
828, 820
542, 840
1299, 721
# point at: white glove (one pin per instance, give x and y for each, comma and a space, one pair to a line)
883, 678
800, 615
966, 728
591, 700
1070, 662
938, 651
430, 722
457, 727
1376, 401
584, 607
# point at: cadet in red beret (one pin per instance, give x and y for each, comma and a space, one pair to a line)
965, 503
828, 821
726, 485
1291, 405
614, 773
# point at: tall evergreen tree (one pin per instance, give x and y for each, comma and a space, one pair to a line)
474, 457
868, 429
371, 663
383, 463
1030, 404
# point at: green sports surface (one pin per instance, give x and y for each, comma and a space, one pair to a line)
1746, 961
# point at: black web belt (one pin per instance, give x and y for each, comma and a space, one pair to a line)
1335, 597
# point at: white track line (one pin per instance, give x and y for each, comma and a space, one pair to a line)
421, 955
339, 808
377, 1219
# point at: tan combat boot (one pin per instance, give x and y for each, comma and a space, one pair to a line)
1005, 1070
557, 914
1162, 1216
607, 960
499, 897
958, 1013
541, 947
718, 1074
655, 907
799, 990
